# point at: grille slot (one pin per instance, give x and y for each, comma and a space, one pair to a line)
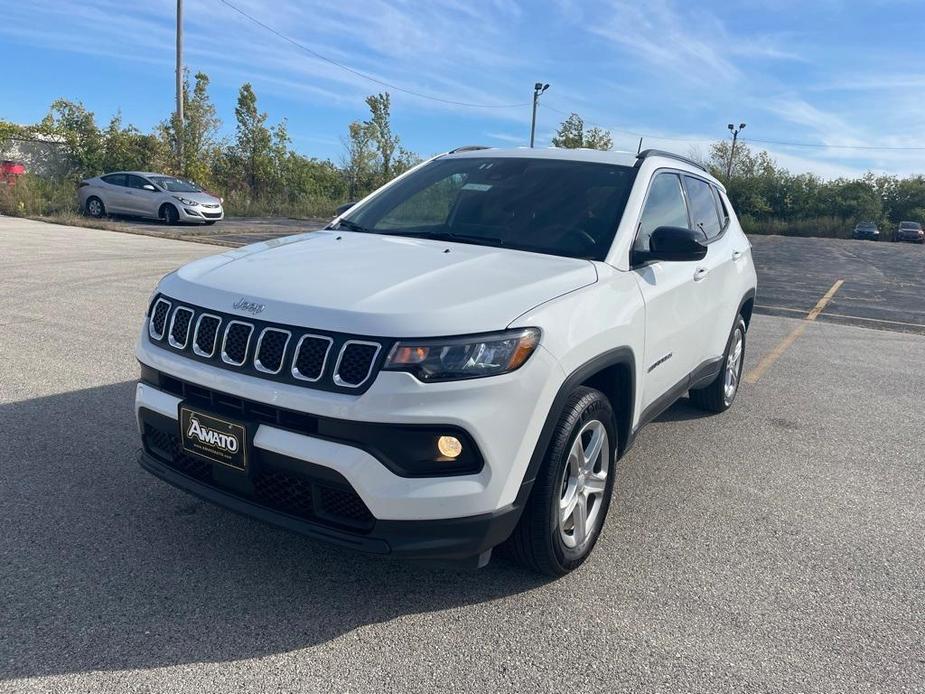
236, 341
271, 350
205, 337
179, 327
158, 323
355, 363
311, 354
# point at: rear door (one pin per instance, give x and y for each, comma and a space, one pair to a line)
674, 310
115, 193
714, 277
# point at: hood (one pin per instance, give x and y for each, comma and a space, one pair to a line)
198, 197
384, 286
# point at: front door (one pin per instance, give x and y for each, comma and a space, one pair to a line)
675, 312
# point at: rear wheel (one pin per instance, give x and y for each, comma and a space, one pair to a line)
571, 495
169, 214
94, 207
720, 394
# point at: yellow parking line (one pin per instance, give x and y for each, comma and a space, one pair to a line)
767, 361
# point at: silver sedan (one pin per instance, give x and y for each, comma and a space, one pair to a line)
151, 195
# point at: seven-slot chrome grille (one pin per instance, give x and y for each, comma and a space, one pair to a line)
310, 358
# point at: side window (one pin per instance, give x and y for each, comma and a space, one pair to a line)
115, 179
664, 208
702, 206
136, 181
721, 206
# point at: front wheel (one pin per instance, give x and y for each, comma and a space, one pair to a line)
567, 507
720, 394
95, 208
170, 215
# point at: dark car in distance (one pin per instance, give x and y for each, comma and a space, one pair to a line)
866, 230
910, 231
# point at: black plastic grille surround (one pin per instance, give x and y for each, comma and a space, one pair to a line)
327, 499
302, 356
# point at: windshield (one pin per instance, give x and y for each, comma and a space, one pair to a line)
568, 208
176, 185
910, 225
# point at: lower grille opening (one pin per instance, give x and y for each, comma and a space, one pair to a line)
327, 499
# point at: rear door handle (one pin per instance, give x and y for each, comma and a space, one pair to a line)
700, 274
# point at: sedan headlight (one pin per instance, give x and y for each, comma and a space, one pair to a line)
458, 358
191, 203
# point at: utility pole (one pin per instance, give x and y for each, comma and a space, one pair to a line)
538, 89
732, 152
179, 130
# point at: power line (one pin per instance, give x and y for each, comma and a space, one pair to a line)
363, 75
823, 145
819, 145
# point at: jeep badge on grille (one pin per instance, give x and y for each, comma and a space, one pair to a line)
246, 306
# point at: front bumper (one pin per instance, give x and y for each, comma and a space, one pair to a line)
200, 214
461, 541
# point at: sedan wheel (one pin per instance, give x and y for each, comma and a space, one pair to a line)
95, 207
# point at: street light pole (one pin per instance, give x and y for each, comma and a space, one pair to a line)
732, 152
179, 131
538, 89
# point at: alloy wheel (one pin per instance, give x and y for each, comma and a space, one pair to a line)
584, 481
733, 365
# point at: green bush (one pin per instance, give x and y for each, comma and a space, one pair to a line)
30, 196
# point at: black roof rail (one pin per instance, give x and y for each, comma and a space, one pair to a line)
646, 153
468, 148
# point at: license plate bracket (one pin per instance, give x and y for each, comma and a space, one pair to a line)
216, 438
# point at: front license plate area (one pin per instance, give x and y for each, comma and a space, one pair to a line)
217, 439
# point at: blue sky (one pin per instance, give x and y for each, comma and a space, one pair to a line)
832, 72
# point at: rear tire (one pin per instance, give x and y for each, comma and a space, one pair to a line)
170, 215
721, 393
94, 207
571, 495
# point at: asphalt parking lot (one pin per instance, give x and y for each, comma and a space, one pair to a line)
778, 547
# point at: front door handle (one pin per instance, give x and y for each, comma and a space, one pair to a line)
700, 274
736, 255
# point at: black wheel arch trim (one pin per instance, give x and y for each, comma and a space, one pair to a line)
620, 356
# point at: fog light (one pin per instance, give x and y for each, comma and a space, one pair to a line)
449, 446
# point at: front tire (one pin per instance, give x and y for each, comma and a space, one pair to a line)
571, 495
170, 215
94, 207
721, 393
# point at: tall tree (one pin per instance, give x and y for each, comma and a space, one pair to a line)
128, 148
380, 132
196, 132
253, 138
571, 135
71, 124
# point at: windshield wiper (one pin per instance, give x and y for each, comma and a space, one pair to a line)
353, 226
454, 236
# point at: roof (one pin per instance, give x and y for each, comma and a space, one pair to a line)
592, 155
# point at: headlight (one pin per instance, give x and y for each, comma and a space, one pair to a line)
191, 203
457, 358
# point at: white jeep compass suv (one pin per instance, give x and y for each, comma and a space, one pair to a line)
458, 360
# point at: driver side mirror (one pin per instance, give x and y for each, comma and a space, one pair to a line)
340, 209
148, 186
673, 244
